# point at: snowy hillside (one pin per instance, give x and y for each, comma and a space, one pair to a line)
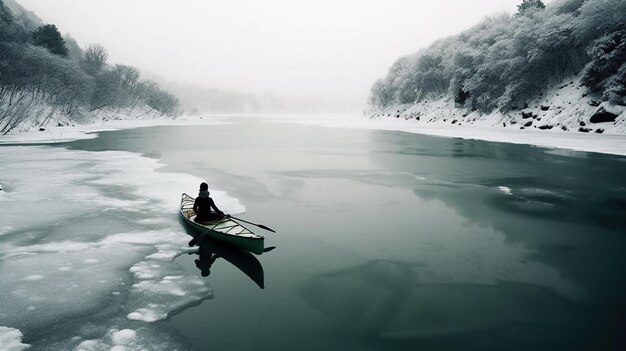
47, 80
567, 107
561, 65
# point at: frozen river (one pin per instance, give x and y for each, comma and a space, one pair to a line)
386, 241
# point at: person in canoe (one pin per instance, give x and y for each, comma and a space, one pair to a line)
205, 208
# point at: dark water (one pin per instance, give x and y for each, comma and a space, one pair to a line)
395, 241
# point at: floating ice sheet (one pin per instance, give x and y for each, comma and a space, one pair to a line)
168, 287
74, 224
11, 340
127, 339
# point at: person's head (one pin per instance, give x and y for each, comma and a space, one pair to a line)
204, 186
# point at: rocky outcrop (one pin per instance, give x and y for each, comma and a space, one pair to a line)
602, 116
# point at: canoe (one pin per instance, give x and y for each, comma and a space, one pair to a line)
225, 230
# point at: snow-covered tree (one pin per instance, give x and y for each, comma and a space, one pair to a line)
36, 74
94, 58
505, 61
530, 5
48, 36
605, 70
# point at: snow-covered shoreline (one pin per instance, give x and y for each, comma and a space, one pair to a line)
584, 142
614, 144
564, 117
55, 134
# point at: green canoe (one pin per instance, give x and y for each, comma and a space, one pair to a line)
226, 230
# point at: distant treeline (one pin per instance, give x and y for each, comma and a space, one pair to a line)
506, 61
197, 100
38, 67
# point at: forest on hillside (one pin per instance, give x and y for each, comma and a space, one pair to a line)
43, 75
508, 60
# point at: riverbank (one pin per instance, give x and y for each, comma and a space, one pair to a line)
565, 116
56, 134
554, 138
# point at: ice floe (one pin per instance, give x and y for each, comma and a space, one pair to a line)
11, 340
505, 189
122, 337
168, 288
128, 339
76, 229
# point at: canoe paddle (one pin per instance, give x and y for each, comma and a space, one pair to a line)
256, 224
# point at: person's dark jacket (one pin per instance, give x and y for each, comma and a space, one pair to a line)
204, 207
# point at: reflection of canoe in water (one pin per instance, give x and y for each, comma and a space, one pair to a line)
243, 260
227, 230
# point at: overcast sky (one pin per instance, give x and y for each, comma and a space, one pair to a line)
322, 48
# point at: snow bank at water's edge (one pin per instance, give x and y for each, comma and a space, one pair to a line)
564, 117
489, 128
589, 142
89, 131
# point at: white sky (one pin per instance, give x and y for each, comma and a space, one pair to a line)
322, 48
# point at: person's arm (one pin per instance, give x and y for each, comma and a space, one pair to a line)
195, 206
217, 210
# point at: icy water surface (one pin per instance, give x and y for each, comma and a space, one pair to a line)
386, 241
